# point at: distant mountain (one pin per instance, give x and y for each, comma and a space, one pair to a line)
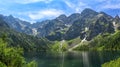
86, 25
18, 25
90, 24
17, 39
3, 24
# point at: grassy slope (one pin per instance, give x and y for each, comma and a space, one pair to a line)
113, 63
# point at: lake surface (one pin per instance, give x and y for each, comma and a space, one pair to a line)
72, 59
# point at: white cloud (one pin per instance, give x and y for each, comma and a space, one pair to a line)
112, 6
78, 6
25, 1
69, 4
31, 1
47, 13
31, 21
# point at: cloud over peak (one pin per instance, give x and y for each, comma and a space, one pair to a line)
76, 6
46, 13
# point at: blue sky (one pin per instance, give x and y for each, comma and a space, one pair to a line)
38, 10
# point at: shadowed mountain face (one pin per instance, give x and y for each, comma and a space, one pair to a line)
27, 42
90, 24
87, 25
2, 23
116, 22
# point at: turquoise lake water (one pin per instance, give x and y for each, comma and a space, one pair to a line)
72, 59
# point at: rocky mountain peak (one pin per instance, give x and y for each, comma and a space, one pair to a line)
10, 16
88, 12
117, 17
62, 16
74, 15
103, 14
116, 23
3, 23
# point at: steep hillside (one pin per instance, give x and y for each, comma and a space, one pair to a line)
90, 24
104, 41
29, 43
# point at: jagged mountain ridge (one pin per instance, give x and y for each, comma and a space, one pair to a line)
41, 29
90, 25
17, 39
86, 24
17, 24
116, 22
